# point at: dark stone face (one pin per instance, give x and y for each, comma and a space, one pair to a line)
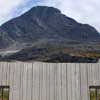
44, 22
46, 27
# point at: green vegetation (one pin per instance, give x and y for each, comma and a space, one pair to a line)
4, 94
92, 95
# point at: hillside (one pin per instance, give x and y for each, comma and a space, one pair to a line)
45, 34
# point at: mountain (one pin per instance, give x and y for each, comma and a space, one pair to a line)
46, 28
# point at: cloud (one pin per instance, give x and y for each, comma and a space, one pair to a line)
6, 7
12, 8
84, 11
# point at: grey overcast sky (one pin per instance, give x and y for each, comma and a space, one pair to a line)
84, 11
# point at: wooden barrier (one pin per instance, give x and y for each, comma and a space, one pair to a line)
49, 81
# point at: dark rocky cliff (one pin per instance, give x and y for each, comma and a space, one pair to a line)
45, 27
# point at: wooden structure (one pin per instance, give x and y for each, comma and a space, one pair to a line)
49, 81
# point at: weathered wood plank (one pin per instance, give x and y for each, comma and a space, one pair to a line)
59, 82
41, 81
29, 81
49, 81
52, 82
25, 82
21, 81
84, 81
69, 81
64, 82
1, 73
12, 69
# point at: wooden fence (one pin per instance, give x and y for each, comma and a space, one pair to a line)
49, 81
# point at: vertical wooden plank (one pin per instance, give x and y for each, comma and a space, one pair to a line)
17, 80
14, 82
8, 75
52, 82
89, 78
73, 79
12, 68
55, 80
69, 80
41, 81
64, 84
0, 73
33, 81
4, 73
77, 78
44, 91
36, 81
24, 81
47, 81
96, 74
21, 81
99, 71
29, 81
84, 81
93, 73
59, 82
89, 74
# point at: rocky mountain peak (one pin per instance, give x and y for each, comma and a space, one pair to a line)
51, 36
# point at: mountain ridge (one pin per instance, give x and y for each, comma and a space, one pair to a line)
48, 27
